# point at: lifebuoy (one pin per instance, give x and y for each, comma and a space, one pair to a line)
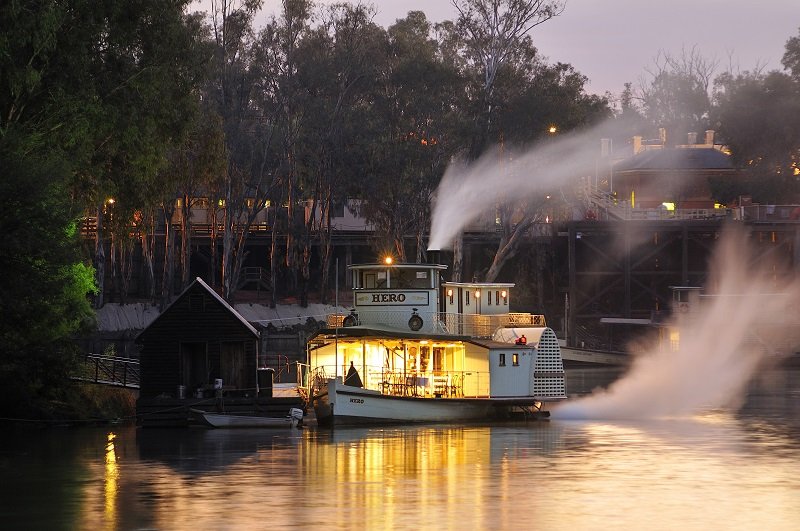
415, 322
350, 320
683, 307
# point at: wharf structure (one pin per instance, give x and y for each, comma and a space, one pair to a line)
599, 272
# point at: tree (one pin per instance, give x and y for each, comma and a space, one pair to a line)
759, 117
493, 31
677, 96
337, 67
44, 286
536, 96
412, 135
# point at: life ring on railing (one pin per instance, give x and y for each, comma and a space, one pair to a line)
683, 307
415, 321
351, 320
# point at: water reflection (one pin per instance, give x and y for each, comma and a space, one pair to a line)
720, 469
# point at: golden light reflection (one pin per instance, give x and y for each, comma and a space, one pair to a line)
394, 477
111, 482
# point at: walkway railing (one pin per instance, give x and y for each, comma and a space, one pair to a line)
109, 370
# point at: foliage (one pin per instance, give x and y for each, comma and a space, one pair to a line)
676, 97
44, 286
759, 116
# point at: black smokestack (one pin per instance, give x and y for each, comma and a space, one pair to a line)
433, 256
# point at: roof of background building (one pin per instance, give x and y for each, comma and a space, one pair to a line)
676, 159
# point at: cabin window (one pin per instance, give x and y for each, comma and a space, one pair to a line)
502, 359
515, 359
466, 293
489, 296
438, 358
450, 294
410, 279
497, 298
424, 358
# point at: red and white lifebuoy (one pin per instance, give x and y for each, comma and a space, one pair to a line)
683, 307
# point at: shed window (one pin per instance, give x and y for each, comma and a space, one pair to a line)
502, 359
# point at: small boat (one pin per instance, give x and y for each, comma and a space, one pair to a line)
222, 420
398, 358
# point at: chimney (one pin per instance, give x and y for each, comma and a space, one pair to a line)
710, 137
692, 139
433, 256
637, 144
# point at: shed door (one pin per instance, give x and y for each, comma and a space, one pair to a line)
232, 364
194, 365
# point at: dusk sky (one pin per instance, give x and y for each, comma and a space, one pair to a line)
614, 41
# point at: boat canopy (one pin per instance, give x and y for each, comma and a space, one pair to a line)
510, 335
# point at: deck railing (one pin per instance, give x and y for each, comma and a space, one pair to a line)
484, 326
472, 325
439, 384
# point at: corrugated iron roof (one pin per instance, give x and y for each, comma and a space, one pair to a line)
676, 159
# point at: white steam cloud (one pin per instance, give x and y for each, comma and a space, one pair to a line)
751, 319
466, 192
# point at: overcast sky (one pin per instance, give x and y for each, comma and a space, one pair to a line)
614, 41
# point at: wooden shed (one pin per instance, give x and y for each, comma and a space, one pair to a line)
197, 342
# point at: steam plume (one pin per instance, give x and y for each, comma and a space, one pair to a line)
750, 319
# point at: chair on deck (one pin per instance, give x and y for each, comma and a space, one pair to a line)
456, 386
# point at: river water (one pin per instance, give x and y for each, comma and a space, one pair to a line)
717, 470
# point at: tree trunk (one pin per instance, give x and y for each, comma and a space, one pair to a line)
100, 260
186, 242
148, 246
458, 258
169, 261
214, 250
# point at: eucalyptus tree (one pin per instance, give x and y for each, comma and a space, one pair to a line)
415, 114
532, 99
675, 94
248, 131
759, 117
195, 166
492, 33
281, 101
92, 96
337, 69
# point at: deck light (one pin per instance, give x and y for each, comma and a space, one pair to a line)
503, 294
388, 260
450, 293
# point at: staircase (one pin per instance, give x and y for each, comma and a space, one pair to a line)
254, 276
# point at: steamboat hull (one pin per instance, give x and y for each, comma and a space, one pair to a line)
342, 405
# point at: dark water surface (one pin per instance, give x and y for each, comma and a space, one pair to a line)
718, 470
